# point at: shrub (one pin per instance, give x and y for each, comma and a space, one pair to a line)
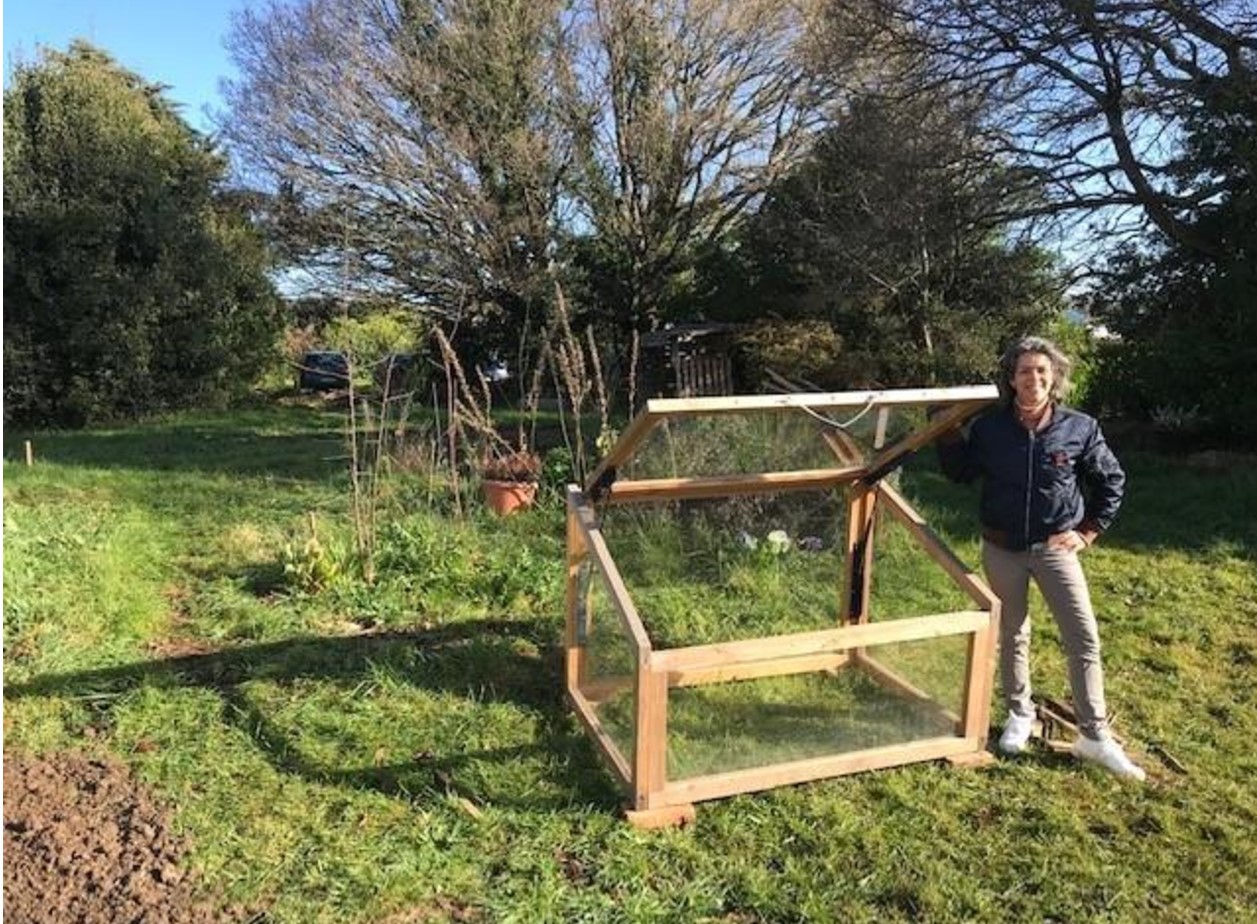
800, 349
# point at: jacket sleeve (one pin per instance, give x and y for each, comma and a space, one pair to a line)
1104, 482
956, 456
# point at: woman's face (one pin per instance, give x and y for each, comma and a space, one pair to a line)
1032, 379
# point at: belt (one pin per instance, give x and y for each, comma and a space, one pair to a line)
998, 537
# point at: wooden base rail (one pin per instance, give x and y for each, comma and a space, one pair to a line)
719, 785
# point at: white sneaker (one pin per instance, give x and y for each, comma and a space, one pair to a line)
1108, 754
1016, 734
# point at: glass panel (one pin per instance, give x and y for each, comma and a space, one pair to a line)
610, 661
751, 442
906, 580
860, 705
935, 667
712, 570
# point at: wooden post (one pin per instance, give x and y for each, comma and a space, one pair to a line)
573, 645
979, 673
860, 510
650, 752
883, 418
30, 454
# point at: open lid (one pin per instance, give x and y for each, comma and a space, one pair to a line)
747, 444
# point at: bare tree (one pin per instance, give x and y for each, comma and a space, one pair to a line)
697, 107
426, 142
1086, 97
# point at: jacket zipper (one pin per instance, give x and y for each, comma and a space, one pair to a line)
1029, 484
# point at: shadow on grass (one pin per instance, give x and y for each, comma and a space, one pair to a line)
296, 442
488, 661
312, 455
286, 442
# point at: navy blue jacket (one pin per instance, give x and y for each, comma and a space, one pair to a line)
1036, 484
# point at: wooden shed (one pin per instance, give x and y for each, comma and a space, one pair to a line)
708, 654
689, 360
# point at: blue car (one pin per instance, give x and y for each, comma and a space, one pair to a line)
323, 370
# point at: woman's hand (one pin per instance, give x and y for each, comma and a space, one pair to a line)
1069, 541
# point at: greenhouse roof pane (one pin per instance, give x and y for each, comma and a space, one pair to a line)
697, 447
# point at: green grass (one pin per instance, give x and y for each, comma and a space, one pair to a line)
357, 753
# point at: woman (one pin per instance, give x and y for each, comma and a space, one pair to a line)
1050, 487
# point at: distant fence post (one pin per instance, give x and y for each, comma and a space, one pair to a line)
30, 454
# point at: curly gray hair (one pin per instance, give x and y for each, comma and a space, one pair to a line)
1061, 367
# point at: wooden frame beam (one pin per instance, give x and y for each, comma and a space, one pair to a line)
629, 440
663, 489
979, 677
843, 446
573, 650
825, 641
858, 570
677, 407
753, 670
650, 751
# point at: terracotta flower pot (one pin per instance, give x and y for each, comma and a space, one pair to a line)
505, 497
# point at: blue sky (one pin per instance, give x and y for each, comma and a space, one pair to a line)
178, 44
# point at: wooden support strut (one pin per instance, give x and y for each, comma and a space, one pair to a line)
859, 553
604, 474
596, 546
896, 454
719, 785
588, 716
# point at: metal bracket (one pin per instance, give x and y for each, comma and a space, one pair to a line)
599, 488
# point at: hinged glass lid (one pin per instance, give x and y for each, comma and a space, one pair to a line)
756, 443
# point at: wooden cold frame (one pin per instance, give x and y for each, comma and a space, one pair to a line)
656, 800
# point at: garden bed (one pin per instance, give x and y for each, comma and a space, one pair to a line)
84, 843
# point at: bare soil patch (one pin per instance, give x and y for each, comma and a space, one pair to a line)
85, 843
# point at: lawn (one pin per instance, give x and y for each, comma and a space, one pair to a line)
339, 752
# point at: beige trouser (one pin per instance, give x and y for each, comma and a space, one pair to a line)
1064, 587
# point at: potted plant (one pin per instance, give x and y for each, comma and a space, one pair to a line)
510, 480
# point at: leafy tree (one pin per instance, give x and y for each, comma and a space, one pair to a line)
697, 107
131, 282
410, 148
463, 154
1087, 98
885, 234
1186, 318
